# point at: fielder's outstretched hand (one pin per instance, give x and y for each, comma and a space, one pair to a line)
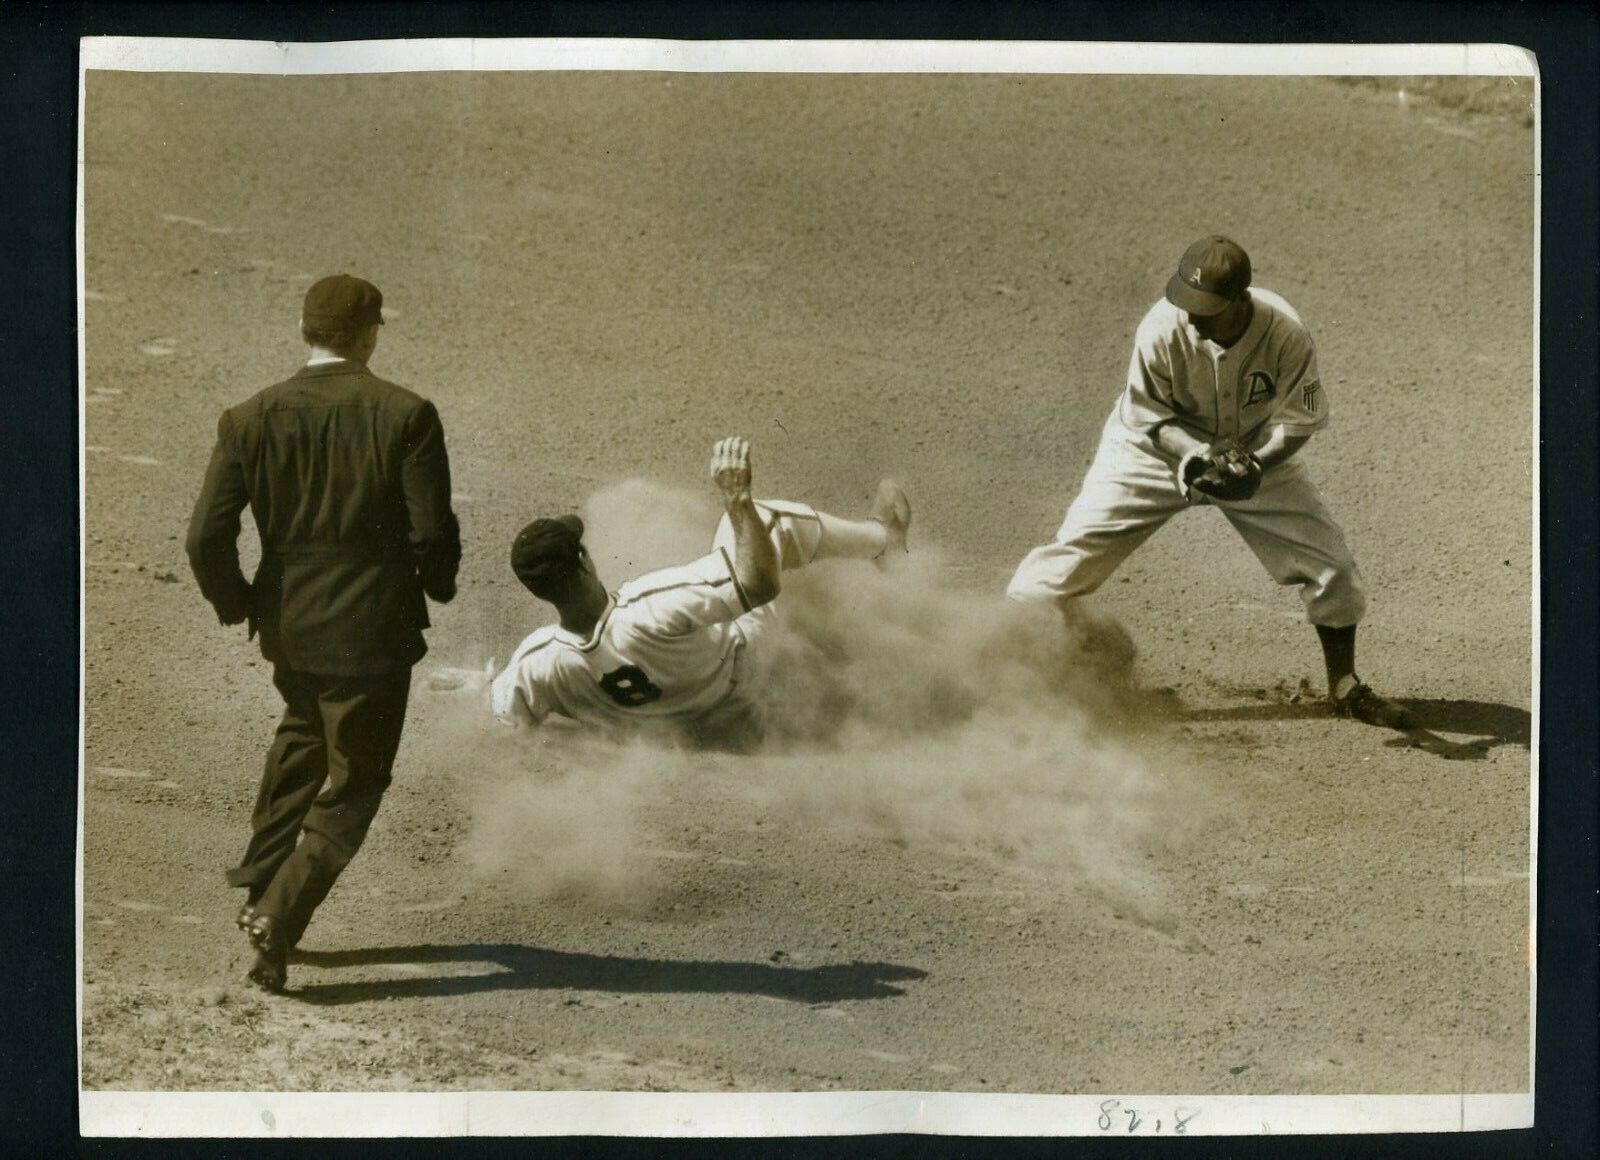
730, 468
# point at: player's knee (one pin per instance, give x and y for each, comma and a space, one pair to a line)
794, 551
1024, 588
1336, 597
1046, 580
1030, 580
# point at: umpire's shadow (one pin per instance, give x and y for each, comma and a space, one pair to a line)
513, 967
1488, 723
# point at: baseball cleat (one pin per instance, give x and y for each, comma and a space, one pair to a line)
1362, 704
247, 915
271, 969
893, 510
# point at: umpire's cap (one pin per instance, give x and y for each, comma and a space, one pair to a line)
545, 554
342, 302
1212, 273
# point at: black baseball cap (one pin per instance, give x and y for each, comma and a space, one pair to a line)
1213, 272
342, 302
546, 552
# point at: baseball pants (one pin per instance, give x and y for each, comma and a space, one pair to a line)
326, 773
802, 534
1129, 492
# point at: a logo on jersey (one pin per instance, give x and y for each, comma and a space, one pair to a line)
1309, 393
1262, 388
629, 687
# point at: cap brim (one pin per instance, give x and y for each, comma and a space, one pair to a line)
1201, 302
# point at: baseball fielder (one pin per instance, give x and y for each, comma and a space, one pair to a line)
1222, 391
671, 649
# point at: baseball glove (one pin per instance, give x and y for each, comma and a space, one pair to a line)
1223, 471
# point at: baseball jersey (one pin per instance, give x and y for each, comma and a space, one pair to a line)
1268, 378
664, 650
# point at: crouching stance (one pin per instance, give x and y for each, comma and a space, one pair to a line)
1222, 391
672, 648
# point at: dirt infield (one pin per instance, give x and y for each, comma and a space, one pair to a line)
1200, 884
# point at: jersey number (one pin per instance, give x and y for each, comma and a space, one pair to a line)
629, 687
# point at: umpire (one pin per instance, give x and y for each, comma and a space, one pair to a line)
347, 478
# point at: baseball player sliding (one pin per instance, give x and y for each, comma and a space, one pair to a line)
1222, 391
671, 649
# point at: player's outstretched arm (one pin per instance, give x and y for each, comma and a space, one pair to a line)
755, 559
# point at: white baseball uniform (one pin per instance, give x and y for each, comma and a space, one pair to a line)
1267, 378
669, 648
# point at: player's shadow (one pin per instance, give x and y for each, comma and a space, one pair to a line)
1494, 724
1488, 724
478, 967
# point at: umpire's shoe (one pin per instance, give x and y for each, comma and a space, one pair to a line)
1362, 704
271, 969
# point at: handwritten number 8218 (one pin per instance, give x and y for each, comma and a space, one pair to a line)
1112, 1110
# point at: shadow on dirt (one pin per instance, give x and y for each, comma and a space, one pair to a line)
1493, 723
1498, 724
521, 967
1501, 724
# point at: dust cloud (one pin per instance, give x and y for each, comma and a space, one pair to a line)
894, 707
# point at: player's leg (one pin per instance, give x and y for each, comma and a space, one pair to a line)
1297, 541
883, 530
1126, 495
296, 767
1292, 533
801, 533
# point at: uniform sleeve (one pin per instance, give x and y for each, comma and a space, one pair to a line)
425, 478
1147, 401
1302, 405
677, 601
517, 696
213, 541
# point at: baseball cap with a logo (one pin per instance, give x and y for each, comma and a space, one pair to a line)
1213, 272
546, 552
342, 302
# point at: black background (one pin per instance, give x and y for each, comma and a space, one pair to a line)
39, 458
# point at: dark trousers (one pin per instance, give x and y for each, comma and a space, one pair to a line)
325, 776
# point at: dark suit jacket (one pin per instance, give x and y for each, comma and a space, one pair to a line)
348, 481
